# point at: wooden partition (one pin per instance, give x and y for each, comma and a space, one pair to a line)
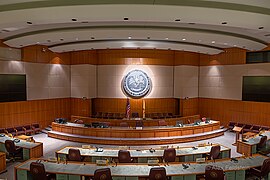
235, 110
152, 105
27, 112
189, 106
80, 107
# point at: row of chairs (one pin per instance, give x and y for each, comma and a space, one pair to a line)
247, 127
20, 130
110, 115
157, 173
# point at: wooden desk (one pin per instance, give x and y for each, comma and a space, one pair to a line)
30, 149
249, 147
131, 136
132, 122
2, 162
183, 154
233, 170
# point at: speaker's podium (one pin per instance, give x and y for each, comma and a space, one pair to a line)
237, 130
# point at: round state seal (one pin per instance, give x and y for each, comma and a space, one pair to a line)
136, 84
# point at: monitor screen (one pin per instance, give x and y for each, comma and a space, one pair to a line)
12, 87
256, 88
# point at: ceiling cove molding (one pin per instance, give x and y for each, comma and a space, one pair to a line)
135, 44
191, 3
137, 27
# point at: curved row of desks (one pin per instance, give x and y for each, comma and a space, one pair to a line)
233, 170
183, 154
132, 122
132, 136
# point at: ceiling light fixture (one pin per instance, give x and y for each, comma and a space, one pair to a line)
166, 38
77, 39
261, 27
73, 19
29, 22
225, 43
92, 37
61, 39
224, 23
129, 37
183, 39
48, 40
125, 18
213, 42
177, 20
148, 37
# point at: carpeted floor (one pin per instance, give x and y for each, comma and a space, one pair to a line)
50, 145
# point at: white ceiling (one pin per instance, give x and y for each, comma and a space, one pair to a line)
53, 26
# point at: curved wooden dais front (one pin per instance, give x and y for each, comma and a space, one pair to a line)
132, 136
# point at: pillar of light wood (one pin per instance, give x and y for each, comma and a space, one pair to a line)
143, 108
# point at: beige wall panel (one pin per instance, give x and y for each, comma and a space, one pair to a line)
109, 78
225, 82
83, 81
186, 81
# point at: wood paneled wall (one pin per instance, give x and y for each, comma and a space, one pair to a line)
135, 56
41, 54
151, 105
230, 56
189, 106
226, 110
27, 112
80, 107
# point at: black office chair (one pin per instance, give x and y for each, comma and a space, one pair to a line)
74, 155
37, 170
103, 174
169, 155
158, 173
263, 170
124, 156
214, 173
12, 150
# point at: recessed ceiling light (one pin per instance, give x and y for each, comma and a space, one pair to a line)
74, 19
77, 39
61, 39
213, 42
200, 40
166, 38
21, 45
48, 40
29, 22
129, 37
125, 18
183, 39
37, 42
148, 37
92, 37
224, 23
225, 43
234, 45
177, 20
261, 27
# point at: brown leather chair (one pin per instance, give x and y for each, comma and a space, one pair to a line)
256, 128
214, 173
36, 128
214, 153
266, 128
162, 123
247, 128
124, 156
2, 130
103, 174
11, 130
158, 173
74, 155
169, 155
262, 143
28, 130
123, 124
263, 170
19, 130
12, 150
37, 170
